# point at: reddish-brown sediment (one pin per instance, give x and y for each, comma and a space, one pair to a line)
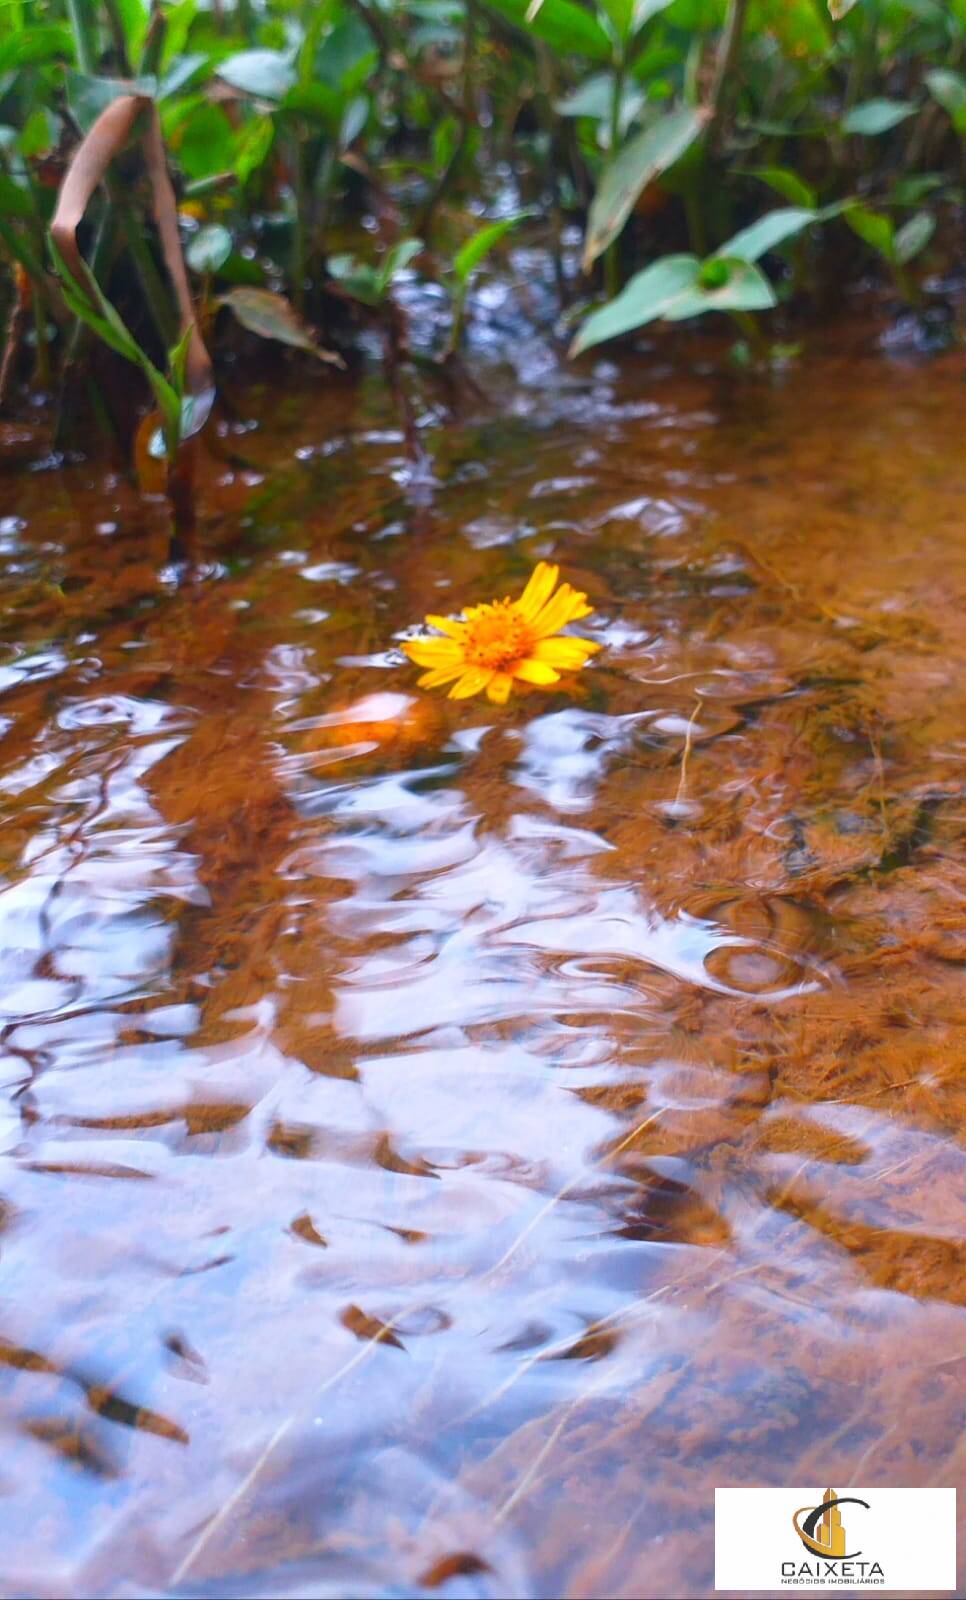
441, 1143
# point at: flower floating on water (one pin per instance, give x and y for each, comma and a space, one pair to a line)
490, 645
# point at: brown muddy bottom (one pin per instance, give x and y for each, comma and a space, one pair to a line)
440, 1143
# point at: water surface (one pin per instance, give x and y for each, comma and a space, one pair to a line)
439, 1143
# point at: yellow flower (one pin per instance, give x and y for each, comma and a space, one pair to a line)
490, 645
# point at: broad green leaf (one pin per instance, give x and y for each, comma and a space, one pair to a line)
270, 316
348, 57
788, 184
949, 88
469, 256
562, 24
41, 41
180, 74
628, 16
267, 74
913, 236
644, 10
674, 289
743, 288
876, 116
770, 230
88, 97
874, 228
209, 249
252, 146
15, 199
645, 298
642, 159
134, 21
206, 142
592, 98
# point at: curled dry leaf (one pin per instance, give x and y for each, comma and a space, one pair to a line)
105, 140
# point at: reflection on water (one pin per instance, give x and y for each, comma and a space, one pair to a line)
439, 1143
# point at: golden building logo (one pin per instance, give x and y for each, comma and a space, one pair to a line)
823, 1531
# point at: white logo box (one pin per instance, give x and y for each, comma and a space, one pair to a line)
900, 1539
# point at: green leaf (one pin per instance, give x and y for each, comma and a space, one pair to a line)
770, 230
353, 120
205, 143
788, 184
38, 134
592, 98
38, 42
644, 10
744, 288
676, 288
209, 249
837, 9
270, 316
913, 236
641, 160
134, 21
874, 228
88, 97
252, 146
566, 27
267, 74
357, 278
645, 298
876, 116
15, 199
949, 88
469, 256
180, 74
397, 260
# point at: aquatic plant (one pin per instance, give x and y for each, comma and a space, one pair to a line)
287, 136
492, 646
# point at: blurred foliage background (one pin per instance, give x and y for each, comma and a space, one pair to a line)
176, 171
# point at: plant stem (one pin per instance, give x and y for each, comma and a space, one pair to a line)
720, 97
612, 265
83, 21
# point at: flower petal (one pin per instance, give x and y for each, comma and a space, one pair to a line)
498, 688
567, 655
438, 676
473, 680
535, 672
433, 652
566, 606
540, 587
454, 626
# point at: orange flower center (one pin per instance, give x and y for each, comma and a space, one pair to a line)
498, 638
